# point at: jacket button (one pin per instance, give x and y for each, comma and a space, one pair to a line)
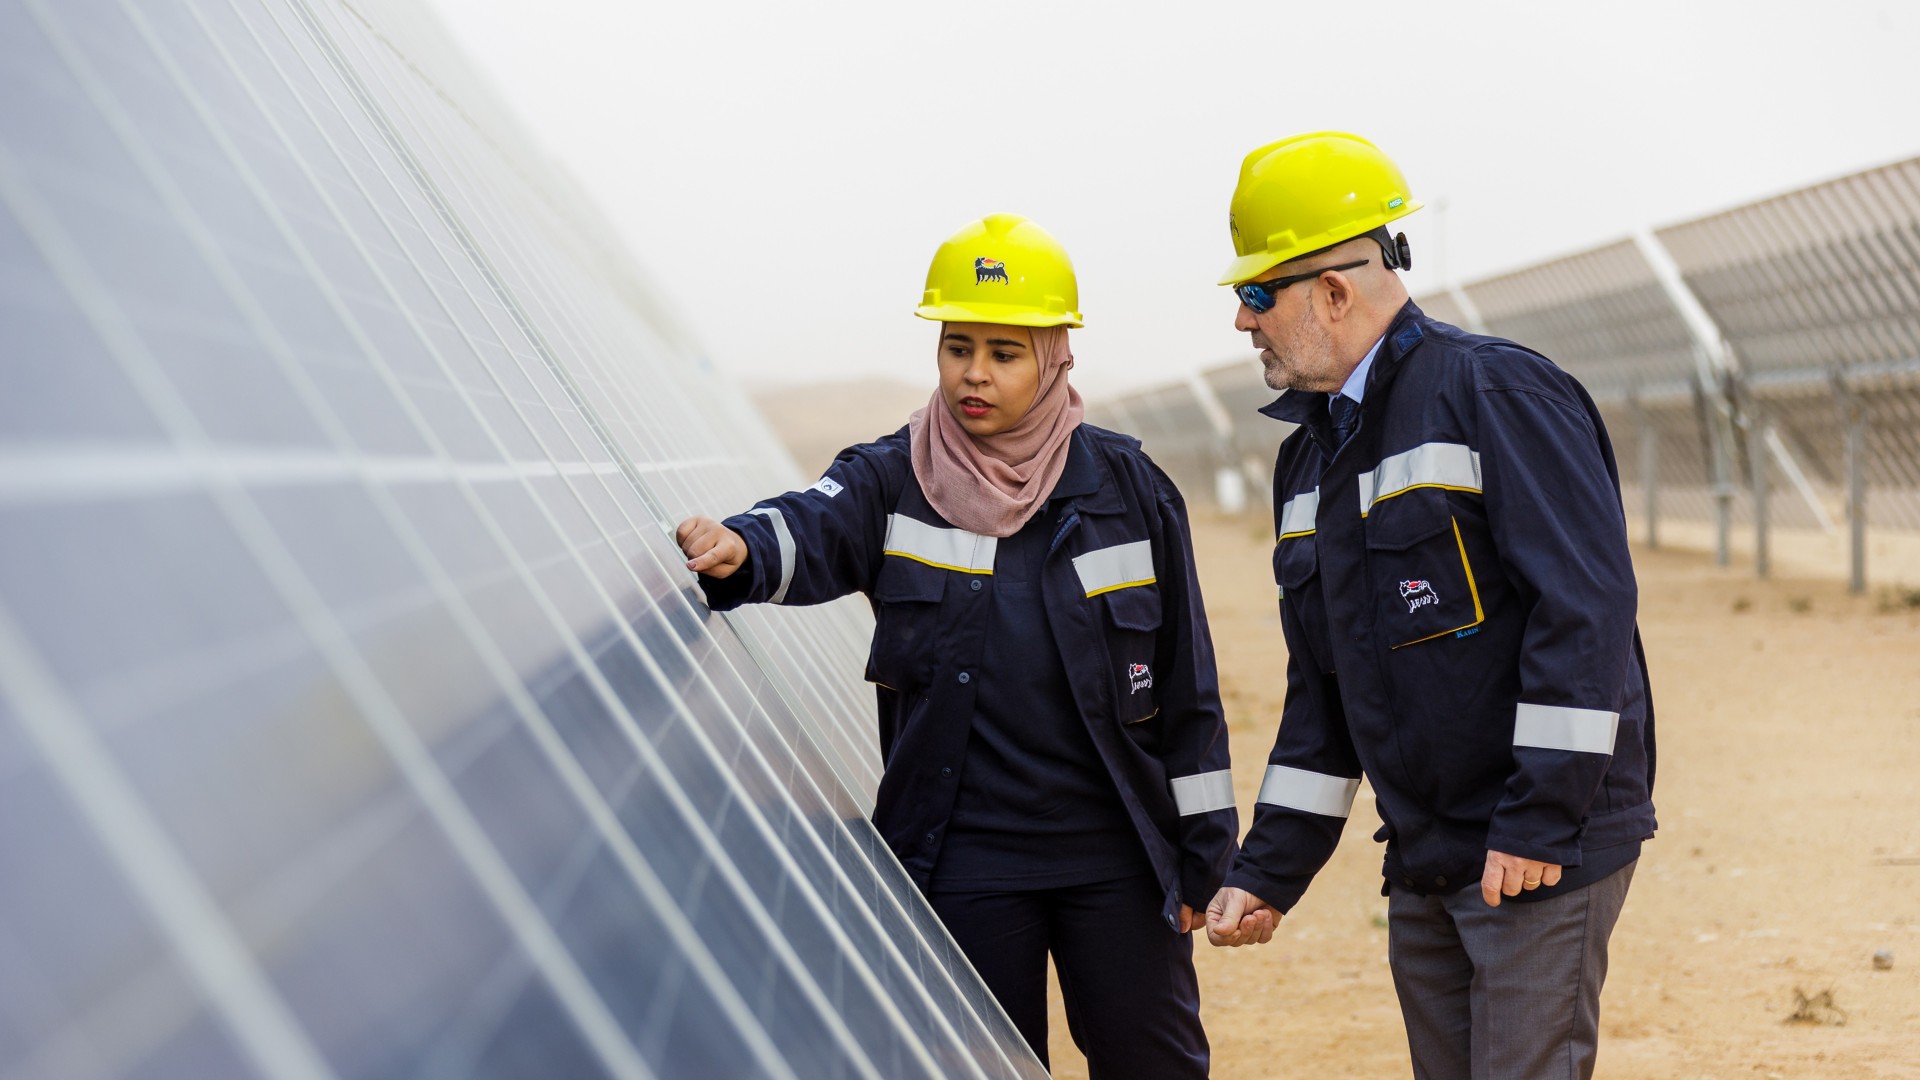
965, 678
1440, 881
976, 584
1407, 881
1173, 922
929, 839
946, 770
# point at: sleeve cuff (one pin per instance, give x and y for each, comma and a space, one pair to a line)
1546, 853
1279, 893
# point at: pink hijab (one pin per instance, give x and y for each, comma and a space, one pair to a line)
992, 484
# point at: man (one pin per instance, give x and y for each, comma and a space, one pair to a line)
1458, 604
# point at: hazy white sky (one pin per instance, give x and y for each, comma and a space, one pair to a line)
786, 170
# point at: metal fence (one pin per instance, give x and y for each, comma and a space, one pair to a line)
1757, 368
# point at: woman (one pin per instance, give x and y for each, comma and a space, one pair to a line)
1055, 757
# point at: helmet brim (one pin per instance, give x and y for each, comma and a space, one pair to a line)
998, 314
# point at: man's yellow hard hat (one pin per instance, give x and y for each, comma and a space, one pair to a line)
1308, 192
1001, 269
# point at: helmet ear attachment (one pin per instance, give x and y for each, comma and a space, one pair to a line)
1394, 252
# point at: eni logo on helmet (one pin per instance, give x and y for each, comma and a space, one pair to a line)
985, 269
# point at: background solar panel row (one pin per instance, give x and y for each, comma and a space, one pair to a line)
356, 715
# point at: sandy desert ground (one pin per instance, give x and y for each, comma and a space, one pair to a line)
1788, 715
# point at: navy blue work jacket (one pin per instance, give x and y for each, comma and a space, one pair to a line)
1123, 606
1458, 603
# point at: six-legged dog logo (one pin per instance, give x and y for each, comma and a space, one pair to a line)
1417, 594
985, 269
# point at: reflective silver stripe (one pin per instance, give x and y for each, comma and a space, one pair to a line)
1556, 727
948, 549
1117, 567
1203, 792
1296, 517
1434, 464
1316, 793
785, 536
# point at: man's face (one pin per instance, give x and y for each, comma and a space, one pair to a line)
988, 375
1296, 348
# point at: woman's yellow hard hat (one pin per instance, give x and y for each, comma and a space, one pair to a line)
1002, 269
1308, 192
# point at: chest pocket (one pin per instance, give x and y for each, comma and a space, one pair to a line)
1121, 579
1418, 568
1133, 633
1296, 568
906, 612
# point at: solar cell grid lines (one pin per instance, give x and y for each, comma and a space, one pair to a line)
356, 718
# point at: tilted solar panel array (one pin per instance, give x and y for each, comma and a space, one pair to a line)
357, 717
1818, 292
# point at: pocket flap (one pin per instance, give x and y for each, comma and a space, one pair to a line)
1295, 561
905, 580
1137, 608
1398, 523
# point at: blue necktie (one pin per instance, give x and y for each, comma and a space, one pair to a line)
1346, 413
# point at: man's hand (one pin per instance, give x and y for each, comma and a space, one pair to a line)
1237, 917
1189, 920
711, 548
1509, 874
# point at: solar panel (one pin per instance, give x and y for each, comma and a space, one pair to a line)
356, 716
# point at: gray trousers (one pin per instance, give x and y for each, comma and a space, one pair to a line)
1506, 993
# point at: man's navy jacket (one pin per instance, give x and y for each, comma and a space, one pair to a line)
1124, 609
1458, 603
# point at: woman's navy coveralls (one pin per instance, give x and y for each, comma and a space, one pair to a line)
1121, 600
1458, 603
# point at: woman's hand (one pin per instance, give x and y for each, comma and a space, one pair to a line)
711, 548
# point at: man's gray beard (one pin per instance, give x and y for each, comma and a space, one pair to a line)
1274, 374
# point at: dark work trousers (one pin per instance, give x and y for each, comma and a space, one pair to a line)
1133, 1004
1506, 993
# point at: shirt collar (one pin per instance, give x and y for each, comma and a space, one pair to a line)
1356, 384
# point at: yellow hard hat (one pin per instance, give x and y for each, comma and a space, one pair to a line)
1308, 192
1001, 269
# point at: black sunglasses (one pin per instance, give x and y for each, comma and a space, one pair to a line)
1259, 295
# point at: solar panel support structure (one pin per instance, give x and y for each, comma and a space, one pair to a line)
1757, 464
1468, 309
1229, 484
1855, 416
1649, 468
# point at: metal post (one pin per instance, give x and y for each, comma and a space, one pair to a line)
1708, 402
1757, 459
1856, 421
1649, 471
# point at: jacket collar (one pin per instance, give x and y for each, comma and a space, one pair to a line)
1087, 480
1406, 331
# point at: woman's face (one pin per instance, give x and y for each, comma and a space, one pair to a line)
988, 375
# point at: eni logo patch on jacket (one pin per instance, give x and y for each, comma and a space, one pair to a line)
1140, 677
1417, 594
